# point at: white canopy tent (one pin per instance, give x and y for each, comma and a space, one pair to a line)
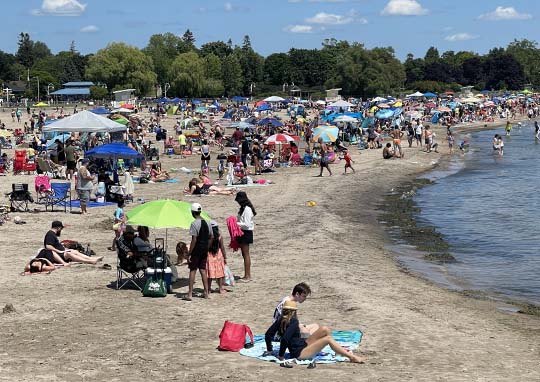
274, 99
417, 94
341, 103
85, 121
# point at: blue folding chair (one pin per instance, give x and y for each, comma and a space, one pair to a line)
60, 195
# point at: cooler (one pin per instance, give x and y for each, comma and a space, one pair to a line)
167, 277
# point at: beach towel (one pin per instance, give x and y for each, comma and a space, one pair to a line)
234, 231
350, 340
171, 181
77, 204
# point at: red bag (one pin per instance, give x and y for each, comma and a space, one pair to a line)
233, 336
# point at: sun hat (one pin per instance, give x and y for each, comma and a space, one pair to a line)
290, 305
196, 207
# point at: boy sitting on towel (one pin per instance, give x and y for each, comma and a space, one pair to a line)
299, 294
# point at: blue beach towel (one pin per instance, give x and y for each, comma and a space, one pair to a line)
349, 339
171, 181
77, 204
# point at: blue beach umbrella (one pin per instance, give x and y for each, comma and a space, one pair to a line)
384, 114
270, 121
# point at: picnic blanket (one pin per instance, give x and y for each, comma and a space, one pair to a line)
349, 339
77, 204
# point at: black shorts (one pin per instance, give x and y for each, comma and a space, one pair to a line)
197, 262
246, 238
71, 165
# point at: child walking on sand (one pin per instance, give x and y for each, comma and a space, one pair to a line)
348, 161
119, 224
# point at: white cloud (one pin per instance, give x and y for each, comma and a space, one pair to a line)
60, 8
298, 28
90, 29
502, 13
228, 7
460, 37
404, 8
329, 19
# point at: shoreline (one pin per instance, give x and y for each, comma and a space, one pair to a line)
412, 329
438, 255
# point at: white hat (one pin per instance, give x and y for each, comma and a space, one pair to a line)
196, 207
213, 224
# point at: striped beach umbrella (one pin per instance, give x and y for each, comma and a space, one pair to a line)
278, 138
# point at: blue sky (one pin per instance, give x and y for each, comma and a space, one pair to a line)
275, 25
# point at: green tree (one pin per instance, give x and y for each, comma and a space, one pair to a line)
212, 67
163, 49
232, 75
24, 53
526, 52
218, 48
187, 75
251, 63
414, 69
7, 67
98, 92
122, 65
276, 69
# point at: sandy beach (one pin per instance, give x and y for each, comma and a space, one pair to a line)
72, 325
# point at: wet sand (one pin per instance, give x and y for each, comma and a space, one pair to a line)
72, 325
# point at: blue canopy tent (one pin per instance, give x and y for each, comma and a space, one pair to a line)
101, 110
430, 95
113, 150
196, 102
238, 98
176, 100
264, 107
162, 100
270, 121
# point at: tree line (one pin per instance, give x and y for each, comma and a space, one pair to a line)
220, 68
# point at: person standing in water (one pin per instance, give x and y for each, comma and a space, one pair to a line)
508, 128
536, 130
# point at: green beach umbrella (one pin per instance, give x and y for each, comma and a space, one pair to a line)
163, 214
122, 121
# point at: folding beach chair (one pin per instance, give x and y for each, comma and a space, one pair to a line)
19, 197
128, 273
42, 185
60, 195
19, 162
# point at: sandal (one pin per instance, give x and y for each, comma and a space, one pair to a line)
107, 267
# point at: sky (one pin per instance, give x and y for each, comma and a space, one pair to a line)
409, 26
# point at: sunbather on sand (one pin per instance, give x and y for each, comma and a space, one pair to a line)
288, 328
196, 187
158, 175
39, 265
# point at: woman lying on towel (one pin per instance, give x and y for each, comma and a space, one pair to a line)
288, 329
197, 187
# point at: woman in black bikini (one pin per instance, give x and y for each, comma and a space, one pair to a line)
196, 188
39, 265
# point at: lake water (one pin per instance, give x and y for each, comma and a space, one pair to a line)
487, 207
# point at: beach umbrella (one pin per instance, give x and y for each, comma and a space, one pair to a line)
415, 95
274, 99
127, 106
430, 104
100, 110
121, 121
430, 95
345, 118
327, 133
444, 109
163, 214
383, 106
5, 133
384, 114
270, 121
122, 110
378, 99
238, 98
40, 104
278, 138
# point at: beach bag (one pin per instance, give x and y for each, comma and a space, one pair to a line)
155, 288
233, 337
229, 276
